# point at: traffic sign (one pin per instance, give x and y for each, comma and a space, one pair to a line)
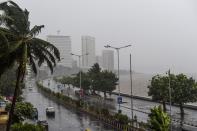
58, 86
119, 99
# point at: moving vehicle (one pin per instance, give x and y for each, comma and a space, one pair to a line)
50, 111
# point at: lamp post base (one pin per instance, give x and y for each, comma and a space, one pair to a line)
120, 111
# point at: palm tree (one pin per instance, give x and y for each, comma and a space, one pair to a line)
18, 45
159, 120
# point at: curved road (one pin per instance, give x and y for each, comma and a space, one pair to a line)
65, 119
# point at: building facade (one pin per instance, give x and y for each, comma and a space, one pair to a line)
63, 43
108, 60
88, 47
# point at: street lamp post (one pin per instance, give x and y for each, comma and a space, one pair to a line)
117, 49
131, 90
170, 95
79, 56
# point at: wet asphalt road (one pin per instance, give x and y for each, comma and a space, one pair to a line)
65, 119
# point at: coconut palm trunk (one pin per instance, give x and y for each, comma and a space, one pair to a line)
11, 112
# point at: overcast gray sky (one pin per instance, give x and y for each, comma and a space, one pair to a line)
162, 32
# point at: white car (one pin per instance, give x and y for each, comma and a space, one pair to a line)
50, 111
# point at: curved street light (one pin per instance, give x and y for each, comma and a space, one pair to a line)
117, 49
79, 56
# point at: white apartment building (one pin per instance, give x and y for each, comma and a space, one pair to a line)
108, 60
63, 43
88, 47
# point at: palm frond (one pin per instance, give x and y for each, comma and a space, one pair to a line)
35, 30
13, 46
40, 56
32, 64
14, 4
48, 46
4, 44
48, 54
4, 18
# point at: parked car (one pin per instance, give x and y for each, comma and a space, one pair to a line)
35, 114
43, 123
2, 104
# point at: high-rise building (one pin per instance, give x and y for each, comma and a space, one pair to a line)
108, 59
63, 43
88, 47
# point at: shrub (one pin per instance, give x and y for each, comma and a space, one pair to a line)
158, 119
105, 112
58, 95
78, 103
91, 108
26, 127
122, 119
22, 111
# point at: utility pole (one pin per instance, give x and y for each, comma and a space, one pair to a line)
79, 56
131, 89
170, 95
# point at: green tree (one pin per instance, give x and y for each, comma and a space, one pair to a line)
85, 81
66, 80
159, 89
23, 110
184, 90
108, 82
26, 127
158, 120
18, 44
95, 76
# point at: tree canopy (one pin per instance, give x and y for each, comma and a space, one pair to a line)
183, 89
23, 110
95, 76
159, 89
108, 82
66, 80
19, 45
95, 80
85, 81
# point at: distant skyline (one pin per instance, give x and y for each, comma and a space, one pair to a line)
88, 51
163, 33
108, 59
